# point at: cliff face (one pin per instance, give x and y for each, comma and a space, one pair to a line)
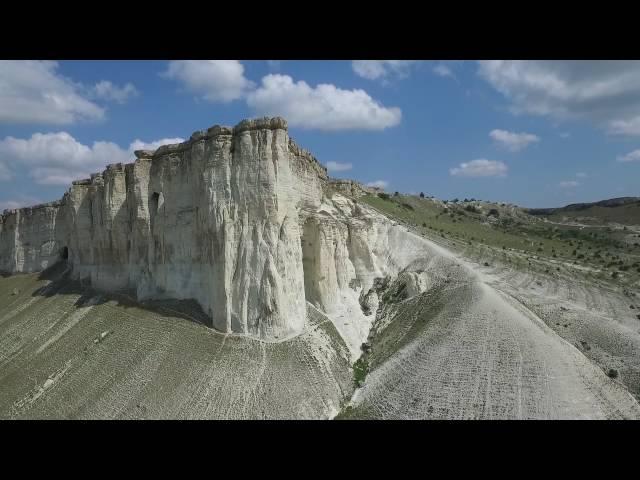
241, 220
352, 188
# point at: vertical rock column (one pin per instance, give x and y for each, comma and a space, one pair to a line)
263, 275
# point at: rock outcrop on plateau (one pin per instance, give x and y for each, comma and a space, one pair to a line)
240, 219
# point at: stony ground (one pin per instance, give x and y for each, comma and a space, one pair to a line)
598, 318
469, 352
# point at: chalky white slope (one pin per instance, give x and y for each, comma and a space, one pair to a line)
457, 348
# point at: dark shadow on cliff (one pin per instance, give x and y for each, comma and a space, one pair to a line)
61, 283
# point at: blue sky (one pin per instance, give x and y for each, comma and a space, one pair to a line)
536, 133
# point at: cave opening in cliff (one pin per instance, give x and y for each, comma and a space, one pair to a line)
310, 262
157, 200
64, 253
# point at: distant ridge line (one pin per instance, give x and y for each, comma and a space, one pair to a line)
611, 202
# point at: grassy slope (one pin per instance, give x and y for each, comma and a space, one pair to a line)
55, 363
624, 214
523, 237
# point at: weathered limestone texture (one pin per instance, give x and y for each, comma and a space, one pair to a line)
241, 220
352, 188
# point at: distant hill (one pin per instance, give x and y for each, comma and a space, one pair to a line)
624, 210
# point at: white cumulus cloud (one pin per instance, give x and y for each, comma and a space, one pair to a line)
34, 92
324, 107
58, 158
514, 142
378, 184
630, 157
480, 168
106, 90
214, 80
382, 69
338, 167
606, 92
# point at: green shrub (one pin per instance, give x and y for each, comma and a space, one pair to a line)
384, 196
360, 371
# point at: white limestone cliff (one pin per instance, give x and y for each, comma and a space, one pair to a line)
241, 220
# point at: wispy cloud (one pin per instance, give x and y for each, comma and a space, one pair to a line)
446, 70
378, 184
480, 168
382, 69
5, 173
338, 167
606, 92
629, 127
514, 142
568, 184
19, 202
106, 90
630, 157
442, 71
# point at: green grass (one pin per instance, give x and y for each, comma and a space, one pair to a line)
141, 367
624, 214
513, 230
360, 371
